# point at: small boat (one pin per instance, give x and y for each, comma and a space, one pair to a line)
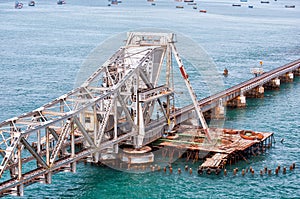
195, 7
179, 7
60, 2
264, 2
191, 4
203, 11
250, 135
289, 6
31, 3
250, 6
150, 0
18, 5
236, 5
153, 4
225, 73
114, 2
243, 0
188, 1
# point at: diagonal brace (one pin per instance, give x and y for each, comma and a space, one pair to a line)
85, 134
34, 153
126, 111
149, 85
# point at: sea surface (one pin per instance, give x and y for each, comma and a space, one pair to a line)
44, 51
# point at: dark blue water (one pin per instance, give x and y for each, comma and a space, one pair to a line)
43, 50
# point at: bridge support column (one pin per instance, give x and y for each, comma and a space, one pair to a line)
241, 102
194, 119
218, 112
257, 92
297, 72
20, 190
238, 102
73, 167
141, 135
274, 84
48, 177
288, 77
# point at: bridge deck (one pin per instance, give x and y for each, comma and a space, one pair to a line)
232, 92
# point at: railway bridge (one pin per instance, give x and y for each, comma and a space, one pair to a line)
253, 88
128, 101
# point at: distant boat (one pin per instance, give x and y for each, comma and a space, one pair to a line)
115, 2
203, 11
236, 5
150, 0
31, 3
153, 4
225, 73
179, 7
195, 7
290, 6
192, 3
250, 6
60, 2
264, 2
243, 0
188, 0
18, 5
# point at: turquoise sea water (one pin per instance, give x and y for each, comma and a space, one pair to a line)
43, 48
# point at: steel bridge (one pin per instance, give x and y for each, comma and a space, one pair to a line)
120, 103
123, 102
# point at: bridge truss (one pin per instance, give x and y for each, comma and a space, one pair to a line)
123, 101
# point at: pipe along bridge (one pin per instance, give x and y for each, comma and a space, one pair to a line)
121, 103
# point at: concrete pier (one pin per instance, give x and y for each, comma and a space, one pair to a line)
288, 77
297, 72
274, 84
238, 102
257, 92
218, 112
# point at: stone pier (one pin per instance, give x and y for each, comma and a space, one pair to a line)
288, 77
257, 92
274, 84
237, 102
218, 112
297, 72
